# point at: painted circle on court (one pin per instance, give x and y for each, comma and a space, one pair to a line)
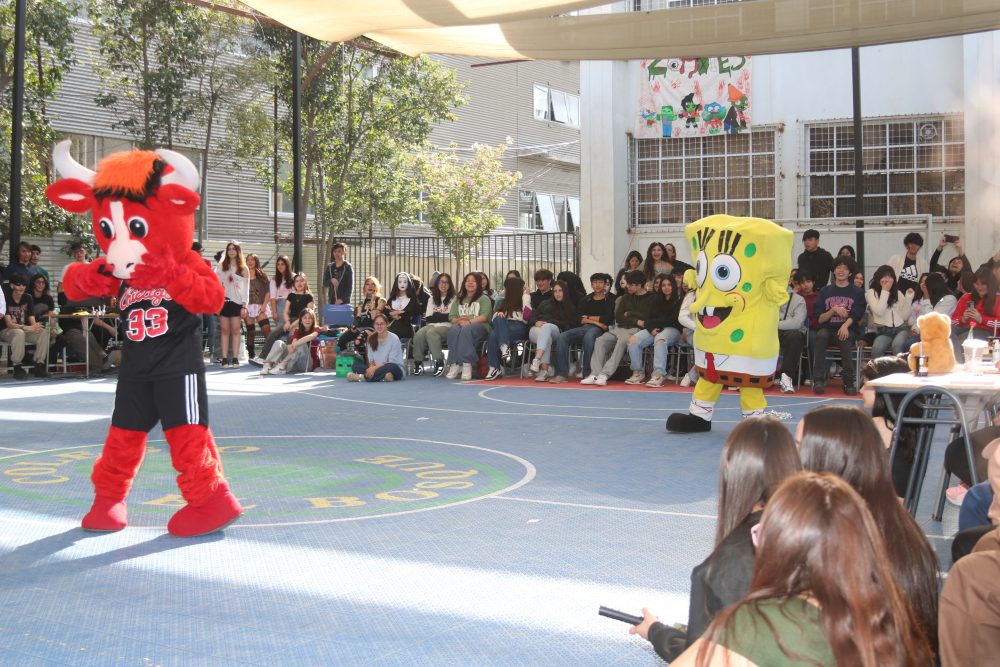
281, 480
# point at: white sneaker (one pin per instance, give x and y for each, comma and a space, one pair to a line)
466, 372
453, 372
638, 377
536, 365
257, 361
590, 379
601, 380
542, 375
355, 377
785, 383
686, 380
494, 374
656, 380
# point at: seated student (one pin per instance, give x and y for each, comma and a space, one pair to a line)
977, 312
543, 287
510, 323
39, 290
838, 308
513, 273
72, 333
371, 305
470, 316
548, 321
969, 615
686, 319
843, 441
402, 306
808, 604
956, 266
385, 356
18, 328
574, 285
661, 330
890, 310
300, 355
297, 300
434, 333
758, 455
631, 311
792, 328
597, 314
934, 297
678, 266
633, 262
423, 296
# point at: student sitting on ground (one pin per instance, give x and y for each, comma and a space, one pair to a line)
434, 333
510, 324
548, 321
385, 356
661, 330
299, 355
297, 300
808, 603
758, 455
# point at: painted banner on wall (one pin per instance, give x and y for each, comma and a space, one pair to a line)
693, 97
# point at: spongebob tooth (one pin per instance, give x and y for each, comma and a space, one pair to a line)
736, 344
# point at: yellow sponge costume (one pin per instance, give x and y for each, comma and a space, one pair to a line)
741, 274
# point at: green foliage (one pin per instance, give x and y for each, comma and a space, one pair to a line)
362, 113
150, 50
49, 54
462, 197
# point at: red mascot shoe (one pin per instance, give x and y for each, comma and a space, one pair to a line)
220, 510
106, 515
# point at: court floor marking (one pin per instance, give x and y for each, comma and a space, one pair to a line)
638, 510
482, 394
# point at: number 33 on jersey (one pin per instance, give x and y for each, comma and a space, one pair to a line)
163, 336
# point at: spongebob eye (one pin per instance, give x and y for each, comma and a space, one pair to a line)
701, 268
725, 272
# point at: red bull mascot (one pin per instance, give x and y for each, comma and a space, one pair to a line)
142, 204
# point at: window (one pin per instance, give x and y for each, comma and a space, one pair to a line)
677, 181
912, 166
556, 105
88, 149
544, 212
286, 202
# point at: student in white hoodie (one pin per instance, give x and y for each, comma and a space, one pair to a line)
890, 310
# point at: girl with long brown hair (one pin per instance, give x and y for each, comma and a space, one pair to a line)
235, 278
758, 455
822, 592
385, 356
258, 308
844, 440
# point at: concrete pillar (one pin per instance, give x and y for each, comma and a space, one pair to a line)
981, 72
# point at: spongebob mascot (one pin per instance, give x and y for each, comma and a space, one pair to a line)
741, 274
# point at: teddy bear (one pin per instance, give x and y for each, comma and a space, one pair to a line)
142, 205
935, 344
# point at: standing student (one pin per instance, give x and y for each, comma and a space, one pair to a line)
908, 266
258, 307
338, 276
235, 278
817, 261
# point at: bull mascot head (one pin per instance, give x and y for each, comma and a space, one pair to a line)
142, 206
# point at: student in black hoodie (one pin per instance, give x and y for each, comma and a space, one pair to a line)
548, 321
597, 314
661, 330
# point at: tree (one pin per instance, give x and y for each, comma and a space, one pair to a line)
150, 50
462, 197
362, 110
49, 54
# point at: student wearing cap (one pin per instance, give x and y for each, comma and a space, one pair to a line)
815, 260
18, 328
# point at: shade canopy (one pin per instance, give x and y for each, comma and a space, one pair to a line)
514, 29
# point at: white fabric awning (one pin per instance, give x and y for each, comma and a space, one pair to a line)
527, 28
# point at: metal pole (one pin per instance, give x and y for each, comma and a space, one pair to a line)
299, 213
859, 163
17, 131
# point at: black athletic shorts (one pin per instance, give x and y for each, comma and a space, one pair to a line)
230, 309
173, 401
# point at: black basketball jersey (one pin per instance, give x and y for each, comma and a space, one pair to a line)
160, 337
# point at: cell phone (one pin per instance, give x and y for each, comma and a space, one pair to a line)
950, 238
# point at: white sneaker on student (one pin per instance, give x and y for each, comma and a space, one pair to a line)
656, 380
601, 380
542, 375
453, 372
638, 377
466, 372
536, 364
785, 383
590, 379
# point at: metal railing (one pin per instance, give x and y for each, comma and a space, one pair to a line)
494, 255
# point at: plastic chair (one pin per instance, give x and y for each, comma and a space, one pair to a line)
938, 407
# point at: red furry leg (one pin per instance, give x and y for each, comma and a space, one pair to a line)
211, 506
114, 471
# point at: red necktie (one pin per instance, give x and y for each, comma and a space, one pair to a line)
710, 373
